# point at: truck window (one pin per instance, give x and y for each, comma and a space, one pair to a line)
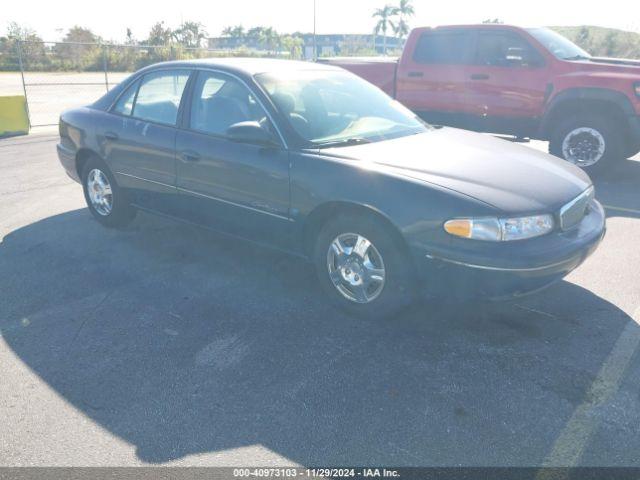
452, 47
505, 49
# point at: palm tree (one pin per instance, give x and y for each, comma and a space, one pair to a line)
405, 11
271, 40
256, 35
384, 15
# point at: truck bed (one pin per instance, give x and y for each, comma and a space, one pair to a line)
381, 71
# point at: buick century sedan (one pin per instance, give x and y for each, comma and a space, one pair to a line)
315, 161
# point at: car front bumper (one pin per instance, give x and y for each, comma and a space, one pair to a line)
520, 268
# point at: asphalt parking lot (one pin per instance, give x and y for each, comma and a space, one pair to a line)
166, 344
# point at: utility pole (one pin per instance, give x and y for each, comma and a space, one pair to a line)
315, 45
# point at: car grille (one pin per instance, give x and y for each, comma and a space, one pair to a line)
573, 212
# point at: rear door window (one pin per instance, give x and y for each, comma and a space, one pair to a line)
159, 96
451, 47
124, 105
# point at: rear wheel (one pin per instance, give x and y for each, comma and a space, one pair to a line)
107, 202
591, 142
362, 268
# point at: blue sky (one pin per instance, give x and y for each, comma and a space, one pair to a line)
110, 19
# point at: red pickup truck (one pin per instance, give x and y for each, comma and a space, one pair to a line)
526, 82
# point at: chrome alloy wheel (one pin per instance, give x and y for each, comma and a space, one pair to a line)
583, 146
100, 193
355, 268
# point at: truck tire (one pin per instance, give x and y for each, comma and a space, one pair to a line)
632, 151
591, 142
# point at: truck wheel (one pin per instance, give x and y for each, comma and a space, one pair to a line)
591, 142
107, 202
361, 268
632, 151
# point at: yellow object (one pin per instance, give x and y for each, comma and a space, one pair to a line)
13, 116
460, 228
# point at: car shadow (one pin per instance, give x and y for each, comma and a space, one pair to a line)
618, 189
182, 342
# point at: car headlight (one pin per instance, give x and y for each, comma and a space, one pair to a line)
500, 229
636, 89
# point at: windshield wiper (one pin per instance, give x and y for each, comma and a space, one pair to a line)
344, 143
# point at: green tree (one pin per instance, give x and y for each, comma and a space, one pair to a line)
610, 44
257, 35
404, 11
24, 40
385, 22
190, 34
293, 45
80, 50
271, 40
81, 35
159, 35
234, 32
130, 40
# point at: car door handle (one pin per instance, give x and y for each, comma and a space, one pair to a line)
416, 74
111, 136
190, 156
479, 76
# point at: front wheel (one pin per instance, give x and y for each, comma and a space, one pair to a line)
107, 202
590, 142
362, 268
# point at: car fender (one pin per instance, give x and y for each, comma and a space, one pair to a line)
316, 182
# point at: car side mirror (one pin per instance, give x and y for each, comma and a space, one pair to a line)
251, 132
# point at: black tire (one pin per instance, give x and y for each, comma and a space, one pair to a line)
121, 212
605, 127
399, 286
631, 151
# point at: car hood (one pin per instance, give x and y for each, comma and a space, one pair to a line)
510, 177
617, 61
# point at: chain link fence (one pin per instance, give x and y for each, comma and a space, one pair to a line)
54, 76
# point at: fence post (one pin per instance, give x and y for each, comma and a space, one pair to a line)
24, 85
104, 66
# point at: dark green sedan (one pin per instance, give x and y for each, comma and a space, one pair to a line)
313, 160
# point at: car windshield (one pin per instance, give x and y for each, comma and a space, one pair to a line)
334, 108
558, 45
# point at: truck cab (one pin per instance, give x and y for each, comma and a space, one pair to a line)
526, 82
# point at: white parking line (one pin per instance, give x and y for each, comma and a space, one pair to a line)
572, 441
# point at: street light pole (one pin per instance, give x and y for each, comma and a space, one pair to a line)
315, 45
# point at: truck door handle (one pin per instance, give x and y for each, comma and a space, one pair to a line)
416, 74
111, 136
479, 76
190, 156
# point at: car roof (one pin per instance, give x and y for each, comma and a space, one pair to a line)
472, 26
247, 65
241, 66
